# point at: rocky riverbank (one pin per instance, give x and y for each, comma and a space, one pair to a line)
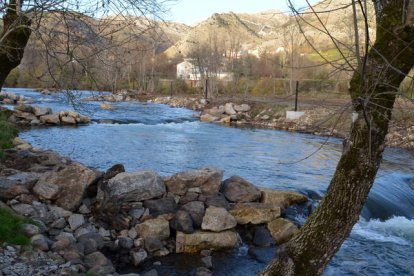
323, 121
86, 221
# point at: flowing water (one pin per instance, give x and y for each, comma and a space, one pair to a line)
169, 140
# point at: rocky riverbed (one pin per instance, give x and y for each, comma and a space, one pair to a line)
86, 221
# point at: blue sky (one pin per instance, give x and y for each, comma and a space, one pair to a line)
191, 11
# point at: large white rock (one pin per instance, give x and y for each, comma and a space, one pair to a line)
207, 179
50, 119
218, 219
135, 186
65, 186
229, 110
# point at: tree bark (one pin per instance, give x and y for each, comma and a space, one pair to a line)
14, 38
373, 94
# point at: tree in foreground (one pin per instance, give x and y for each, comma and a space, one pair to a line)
74, 39
373, 89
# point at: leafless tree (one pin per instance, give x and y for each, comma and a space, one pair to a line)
378, 70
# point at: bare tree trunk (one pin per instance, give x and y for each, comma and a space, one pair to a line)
15, 35
373, 95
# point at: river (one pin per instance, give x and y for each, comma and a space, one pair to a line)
169, 140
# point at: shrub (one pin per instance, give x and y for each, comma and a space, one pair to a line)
7, 131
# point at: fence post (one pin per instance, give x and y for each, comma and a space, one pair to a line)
296, 96
206, 89
171, 88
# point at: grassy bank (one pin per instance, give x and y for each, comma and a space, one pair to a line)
10, 228
7, 131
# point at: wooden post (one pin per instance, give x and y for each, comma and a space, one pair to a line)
296, 96
171, 88
206, 89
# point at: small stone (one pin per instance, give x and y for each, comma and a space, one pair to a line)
138, 257
132, 233
139, 242
104, 233
202, 271
59, 223
207, 261
126, 242
153, 244
96, 259
136, 213
75, 221
30, 230
205, 253
41, 242
84, 209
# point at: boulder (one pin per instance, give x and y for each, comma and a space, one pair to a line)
156, 228
182, 222
218, 219
242, 108
52, 119
282, 199
24, 108
135, 186
215, 111
196, 210
83, 120
262, 237
236, 189
165, 205
200, 240
254, 213
40, 111
218, 201
68, 120
208, 179
66, 185
24, 115
282, 230
228, 109
17, 184
208, 118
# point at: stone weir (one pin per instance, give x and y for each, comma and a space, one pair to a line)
85, 221
28, 115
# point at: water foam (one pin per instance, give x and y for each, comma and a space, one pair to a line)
399, 230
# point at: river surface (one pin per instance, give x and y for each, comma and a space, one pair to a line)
168, 140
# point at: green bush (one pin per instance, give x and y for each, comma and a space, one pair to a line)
10, 228
7, 131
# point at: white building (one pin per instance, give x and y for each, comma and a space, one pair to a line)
186, 70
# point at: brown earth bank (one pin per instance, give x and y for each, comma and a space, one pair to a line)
103, 223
